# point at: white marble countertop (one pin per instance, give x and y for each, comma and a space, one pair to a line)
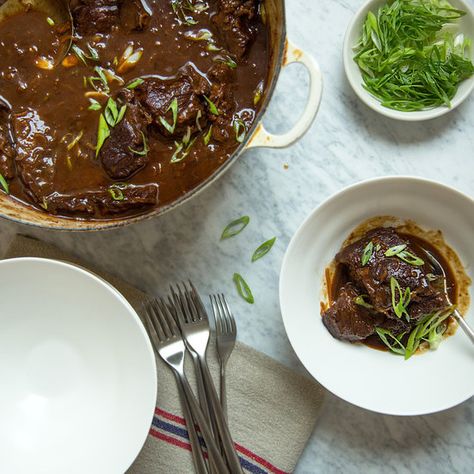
347, 143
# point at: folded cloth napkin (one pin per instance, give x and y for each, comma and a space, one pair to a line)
272, 410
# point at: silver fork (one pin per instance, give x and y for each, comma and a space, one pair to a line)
168, 343
226, 334
456, 314
194, 325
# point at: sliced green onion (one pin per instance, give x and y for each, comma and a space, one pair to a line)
50, 21
360, 300
135, 83
367, 253
102, 134
4, 184
235, 227
174, 109
396, 345
243, 289
207, 137
257, 96
116, 193
145, 149
410, 258
212, 107
94, 105
392, 251
263, 249
400, 307
240, 129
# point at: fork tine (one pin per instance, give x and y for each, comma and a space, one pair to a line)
188, 297
169, 318
232, 327
161, 317
153, 322
225, 323
198, 301
178, 308
217, 316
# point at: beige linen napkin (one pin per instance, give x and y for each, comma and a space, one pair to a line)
272, 410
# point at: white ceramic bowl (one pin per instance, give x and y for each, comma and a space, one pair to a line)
375, 380
77, 371
353, 33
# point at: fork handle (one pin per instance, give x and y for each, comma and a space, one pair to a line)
196, 451
204, 405
223, 391
224, 434
203, 425
465, 327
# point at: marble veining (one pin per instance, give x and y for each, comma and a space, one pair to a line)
347, 143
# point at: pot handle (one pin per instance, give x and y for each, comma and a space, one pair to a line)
262, 138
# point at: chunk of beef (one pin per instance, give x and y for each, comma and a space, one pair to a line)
222, 78
349, 321
35, 161
374, 277
120, 154
95, 16
188, 88
7, 150
102, 202
236, 23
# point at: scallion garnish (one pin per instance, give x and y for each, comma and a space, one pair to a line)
94, 105
174, 109
101, 78
410, 258
394, 343
243, 288
79, 53
212, 107
183, 148
263, 249
430, 329
102, 134
227, 60
240, 129
367, 253
50, 21
360, 300
403, 254
135, 83
400, 299
257, 96
408, 59
116, 192
207, 137
180, 7
392, 251
145, 149
112, 114
235, 227
4, 184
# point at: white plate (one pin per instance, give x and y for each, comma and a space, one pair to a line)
375, 380
354, 32
77, 371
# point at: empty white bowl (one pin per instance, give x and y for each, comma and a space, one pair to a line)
353, 34
77, 371
371, 379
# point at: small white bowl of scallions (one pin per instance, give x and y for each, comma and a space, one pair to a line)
411, 60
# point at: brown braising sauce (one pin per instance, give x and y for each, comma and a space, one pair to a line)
223, 52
